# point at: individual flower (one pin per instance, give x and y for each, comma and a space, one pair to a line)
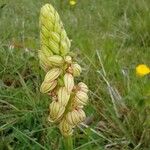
48, 86
83, 87
56, 111
75, 116
56, 60
63, 96
76, 69
52, 75
81, 98
72, 2
69, 82
65, 128
142, 70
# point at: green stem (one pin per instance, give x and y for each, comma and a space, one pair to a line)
68, 144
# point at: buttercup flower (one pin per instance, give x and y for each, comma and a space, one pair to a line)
72, 2
142, 70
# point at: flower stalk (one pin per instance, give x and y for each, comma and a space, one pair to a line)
68, 98
68, 144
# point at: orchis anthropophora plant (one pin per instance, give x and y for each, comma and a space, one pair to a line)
68, 98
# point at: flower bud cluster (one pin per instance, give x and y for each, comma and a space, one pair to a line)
53, 37
68, 98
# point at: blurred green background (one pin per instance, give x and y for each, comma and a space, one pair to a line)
110, 38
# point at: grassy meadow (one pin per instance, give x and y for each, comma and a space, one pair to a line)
110, 38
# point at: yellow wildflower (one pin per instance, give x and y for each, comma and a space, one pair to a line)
142, 70
72, 2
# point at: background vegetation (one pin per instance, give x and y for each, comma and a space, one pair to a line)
109, 37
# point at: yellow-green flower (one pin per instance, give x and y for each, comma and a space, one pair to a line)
72, 2
75, 116
142, 70
65, 128
68, 98
76, 69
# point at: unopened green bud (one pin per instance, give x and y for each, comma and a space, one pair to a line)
75, 117
64, 49
55, 36
44, 66
52, 31
56, 111
54, 46
48, 86
44, 21
63, 96
65, 128
76, 69
63, 34
68, 42
65, 38
47, 12
69, 82
45, 32
52, 74
50, 7
57, 28
44, 41
43, 61
81, 98
46, 51
56, 60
